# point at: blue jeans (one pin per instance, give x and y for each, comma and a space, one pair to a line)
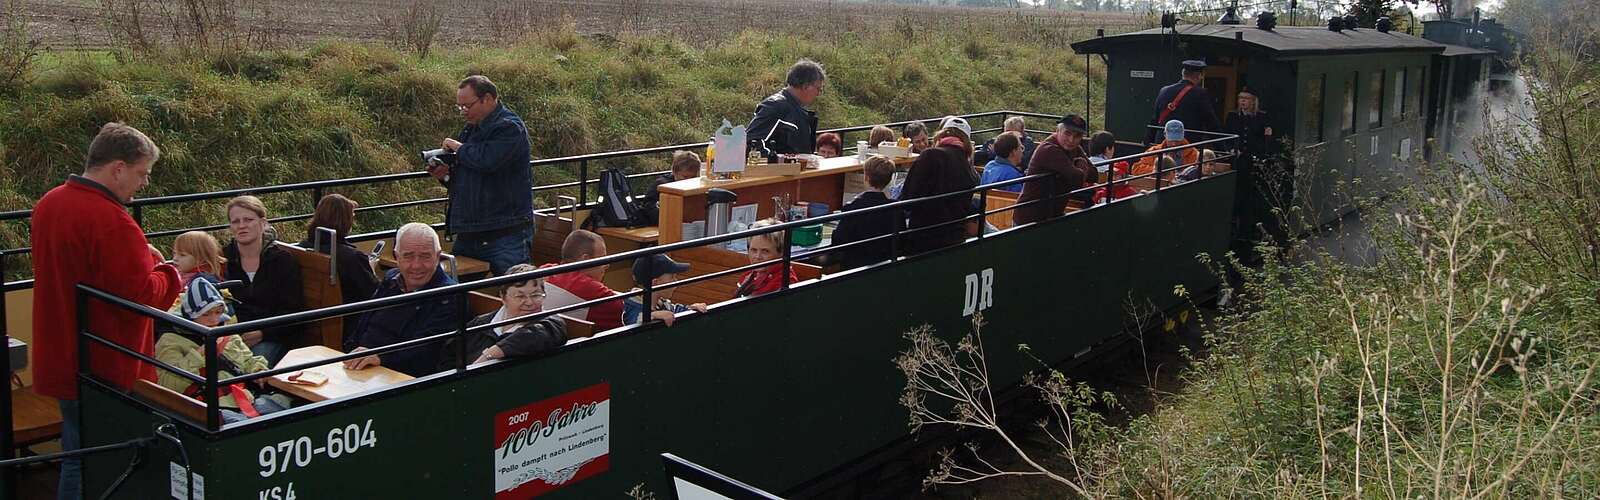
263, 404
71, 485
501, 251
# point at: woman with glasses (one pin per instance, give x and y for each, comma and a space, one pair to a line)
519, 299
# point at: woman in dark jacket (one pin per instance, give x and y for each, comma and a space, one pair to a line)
356, 280
944, 168
516, 339
271, 278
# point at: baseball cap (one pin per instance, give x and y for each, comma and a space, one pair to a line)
956, 122
1075, 123
1174, 130
646, 269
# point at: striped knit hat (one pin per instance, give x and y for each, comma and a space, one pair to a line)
201, 297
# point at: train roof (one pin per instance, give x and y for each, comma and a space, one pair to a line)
1451, 50
1282, 41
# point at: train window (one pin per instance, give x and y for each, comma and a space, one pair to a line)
1397, 100
1347, 125
1375, 100
1313, 113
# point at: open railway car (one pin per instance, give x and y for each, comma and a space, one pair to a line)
787, 390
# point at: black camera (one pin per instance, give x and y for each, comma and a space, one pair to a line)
439, 156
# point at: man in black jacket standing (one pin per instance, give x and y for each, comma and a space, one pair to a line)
789, 105
1187, 102
491, 182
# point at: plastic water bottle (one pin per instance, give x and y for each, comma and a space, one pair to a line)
711, 156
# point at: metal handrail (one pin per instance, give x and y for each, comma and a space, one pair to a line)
212, 382
316, 187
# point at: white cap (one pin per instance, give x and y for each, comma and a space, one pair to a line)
956, 122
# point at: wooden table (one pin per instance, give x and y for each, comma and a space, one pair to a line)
684, 201
645, 236
341, 382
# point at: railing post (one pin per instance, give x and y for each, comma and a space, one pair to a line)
138, 215
212, 400
983, 211
646, 298
788, 253
461, 331
316, 196
894, 241
583, 181
8, 477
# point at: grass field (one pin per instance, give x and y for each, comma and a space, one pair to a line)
276, 24
349, 104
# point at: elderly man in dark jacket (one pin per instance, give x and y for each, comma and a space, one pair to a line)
417, 253
789, 105
1062, 155
491, 183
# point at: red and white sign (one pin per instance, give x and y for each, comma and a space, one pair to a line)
552, 443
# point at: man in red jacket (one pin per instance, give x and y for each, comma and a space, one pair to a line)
83, 234
583, 285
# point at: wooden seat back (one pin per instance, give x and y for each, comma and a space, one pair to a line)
180, 404
483, 303
707, 260
551, 228
997, 200
321, 287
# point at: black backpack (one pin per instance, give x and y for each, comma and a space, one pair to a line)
616, 206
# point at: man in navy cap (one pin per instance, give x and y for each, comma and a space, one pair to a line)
1186, 101
1060, 154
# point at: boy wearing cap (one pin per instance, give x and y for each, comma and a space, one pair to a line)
1173, 133
657, 270
1186, 101
203, 304
1060, 154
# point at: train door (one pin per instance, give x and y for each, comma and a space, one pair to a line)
1223, 77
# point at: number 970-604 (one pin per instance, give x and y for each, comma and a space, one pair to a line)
299, 452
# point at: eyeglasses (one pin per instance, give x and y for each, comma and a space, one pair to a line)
524, 297
464, 107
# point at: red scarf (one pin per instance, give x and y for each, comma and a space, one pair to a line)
240, 397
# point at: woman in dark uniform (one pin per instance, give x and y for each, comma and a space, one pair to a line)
1259, 181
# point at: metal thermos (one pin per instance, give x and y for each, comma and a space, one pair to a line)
719, 209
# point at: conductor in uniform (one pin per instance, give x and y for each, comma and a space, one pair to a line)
1186, 101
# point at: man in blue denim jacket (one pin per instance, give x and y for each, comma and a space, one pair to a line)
491, 183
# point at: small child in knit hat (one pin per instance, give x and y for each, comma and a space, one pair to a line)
202, 303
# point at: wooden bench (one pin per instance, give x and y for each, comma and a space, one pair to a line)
707, 260
551, 229
483, 303
997, 200
34, 418
320, 285
170, 400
